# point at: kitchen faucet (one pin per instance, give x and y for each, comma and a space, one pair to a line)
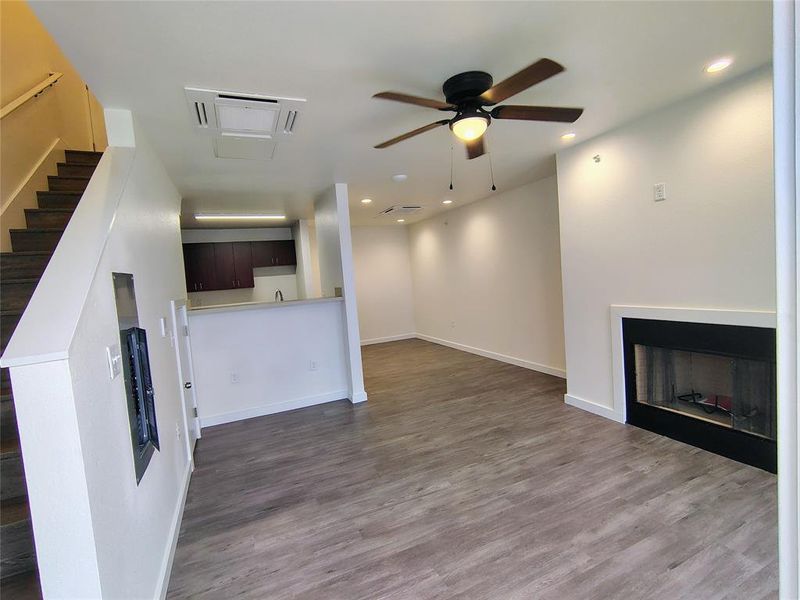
278, 296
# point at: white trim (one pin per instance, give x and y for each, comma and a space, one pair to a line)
389, 338
512, 360
786, 110
174, 532
44, 158
747, 318
593, 408
269, 409
358, 398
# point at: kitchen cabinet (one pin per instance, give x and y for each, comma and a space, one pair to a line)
278, 253
218, 266
198, 260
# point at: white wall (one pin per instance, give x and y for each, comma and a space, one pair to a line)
270, 349
328, 243
250, 234
97, 532
383, 283
486, 277
709, 245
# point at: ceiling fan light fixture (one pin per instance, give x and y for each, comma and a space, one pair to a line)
469, 126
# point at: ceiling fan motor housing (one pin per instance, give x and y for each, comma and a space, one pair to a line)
466, 86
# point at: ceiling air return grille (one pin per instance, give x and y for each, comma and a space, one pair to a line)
401, 209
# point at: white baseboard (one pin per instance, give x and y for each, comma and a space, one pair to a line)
270, 409
519, 362
174, 532
390, 338
358, 397
594, 408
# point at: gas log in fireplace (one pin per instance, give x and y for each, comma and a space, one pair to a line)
711, 386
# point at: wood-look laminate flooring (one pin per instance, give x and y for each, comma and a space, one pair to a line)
462, 478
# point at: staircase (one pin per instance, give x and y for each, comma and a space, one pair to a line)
20, 272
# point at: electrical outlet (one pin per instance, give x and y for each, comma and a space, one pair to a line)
177, 431
234, 378
660, 192
313, 365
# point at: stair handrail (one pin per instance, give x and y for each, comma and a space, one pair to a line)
34, 92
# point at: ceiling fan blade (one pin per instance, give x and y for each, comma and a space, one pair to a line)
537, 113
537, 72
475, 148
427, 102
411, 134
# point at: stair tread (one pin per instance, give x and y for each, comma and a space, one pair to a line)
39, 229
77, 193
51, 210
20, 280
83, 177
14, 510
26, 253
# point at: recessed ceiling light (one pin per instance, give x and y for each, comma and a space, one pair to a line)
447, 201
719, 65
366, 201
568, 137
205, 217
400, 177
401, 220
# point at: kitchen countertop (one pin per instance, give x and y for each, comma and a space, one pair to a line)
259, 305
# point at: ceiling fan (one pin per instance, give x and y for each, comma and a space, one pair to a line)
468, 93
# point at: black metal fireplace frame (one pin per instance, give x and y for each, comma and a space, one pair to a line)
754, 343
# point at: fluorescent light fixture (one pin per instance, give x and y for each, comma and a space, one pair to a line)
401, 220
447, 201
719, 65
207, 217
400, 177
366, 201
568, 137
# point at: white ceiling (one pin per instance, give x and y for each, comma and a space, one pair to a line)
623, 59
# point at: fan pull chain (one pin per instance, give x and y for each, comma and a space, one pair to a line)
491, 172
451, 166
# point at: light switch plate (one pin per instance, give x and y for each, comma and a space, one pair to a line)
114, 357
660, 192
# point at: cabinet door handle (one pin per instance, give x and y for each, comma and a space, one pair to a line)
201, 285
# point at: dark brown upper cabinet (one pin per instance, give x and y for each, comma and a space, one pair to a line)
243, 264
278, 253
198, 260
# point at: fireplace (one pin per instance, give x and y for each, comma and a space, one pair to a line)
712, 386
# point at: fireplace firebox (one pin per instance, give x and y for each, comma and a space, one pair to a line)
711, 386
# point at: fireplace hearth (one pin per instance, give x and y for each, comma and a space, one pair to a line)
711, 386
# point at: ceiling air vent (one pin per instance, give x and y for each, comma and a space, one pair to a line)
216, 113
401, 209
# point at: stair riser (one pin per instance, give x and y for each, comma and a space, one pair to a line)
17, 553
66, 184
8, 420
47, 219
76, 157
20, 266
5, 381
7, 325
15, 296
12, 476
56, 200
73, 170
23, 241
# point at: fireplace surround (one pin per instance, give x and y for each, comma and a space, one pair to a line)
707, 384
